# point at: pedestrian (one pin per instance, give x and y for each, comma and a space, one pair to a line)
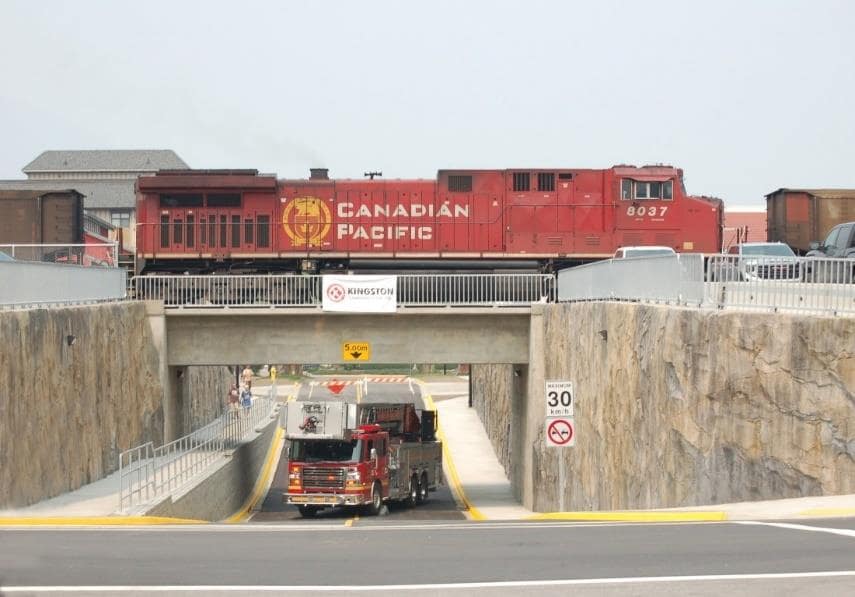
246, 400
246, 375
234, 398
273, 373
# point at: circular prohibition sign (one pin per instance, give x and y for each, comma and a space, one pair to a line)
560, 432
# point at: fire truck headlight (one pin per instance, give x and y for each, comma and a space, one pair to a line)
353, 474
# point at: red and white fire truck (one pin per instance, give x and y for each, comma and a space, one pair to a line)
344, 454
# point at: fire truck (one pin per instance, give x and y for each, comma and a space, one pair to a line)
359, 455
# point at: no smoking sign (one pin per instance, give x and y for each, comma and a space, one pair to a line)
560, 432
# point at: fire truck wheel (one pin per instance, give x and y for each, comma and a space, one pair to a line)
308, 511
423, 489
413, 497
376, 500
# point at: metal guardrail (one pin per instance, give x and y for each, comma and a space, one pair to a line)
147, 473
414, 290
89, 254
808, 285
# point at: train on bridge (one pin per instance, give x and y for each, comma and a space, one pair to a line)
240, 221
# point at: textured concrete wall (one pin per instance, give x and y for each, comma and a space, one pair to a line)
201, 397
223, 492
680, 407
66, 412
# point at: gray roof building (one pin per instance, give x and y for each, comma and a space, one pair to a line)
103, 161
105, 176
99, 194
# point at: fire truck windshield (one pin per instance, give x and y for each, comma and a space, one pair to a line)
326, 450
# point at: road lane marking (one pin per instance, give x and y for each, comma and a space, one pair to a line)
349, 522
453, 478
634, 516
432, 586
263, 479
799, 527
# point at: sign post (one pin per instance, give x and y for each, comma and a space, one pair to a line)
560, 425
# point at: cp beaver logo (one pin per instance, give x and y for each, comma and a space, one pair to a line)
306, 221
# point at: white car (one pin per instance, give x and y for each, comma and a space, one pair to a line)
651, 251
746, 262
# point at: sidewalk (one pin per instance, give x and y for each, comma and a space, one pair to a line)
488, 492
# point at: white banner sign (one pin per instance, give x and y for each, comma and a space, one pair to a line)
361, 294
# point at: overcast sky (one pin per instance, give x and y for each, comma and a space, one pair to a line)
745, 96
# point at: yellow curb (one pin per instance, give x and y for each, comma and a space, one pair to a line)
96, 521
828, 512
456, 487
261, 484
633, 516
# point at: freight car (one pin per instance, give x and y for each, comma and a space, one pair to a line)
34, 217
240, 221
799, 217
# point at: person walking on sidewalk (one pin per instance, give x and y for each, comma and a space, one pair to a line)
246, 375
246, 400
234, 398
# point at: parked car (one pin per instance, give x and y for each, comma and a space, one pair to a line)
650, 251
746, 262
839, 244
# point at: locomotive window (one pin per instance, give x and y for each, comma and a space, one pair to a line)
235, 231
181, 200
203, 228
178, 231
263, 231
522, 181
667, 189
641, 190
459, 183
626, 188
212, 230
191, 237
164, 231
546, 181
223, 232
224, 200
655, 190
247, 231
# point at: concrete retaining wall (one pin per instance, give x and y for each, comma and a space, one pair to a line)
681, 407
78, 385
224, 491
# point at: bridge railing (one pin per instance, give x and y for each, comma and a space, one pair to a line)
89, 254
815, 285
147, 473
414, 290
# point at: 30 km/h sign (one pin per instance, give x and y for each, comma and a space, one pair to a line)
560, 432
559, 398
356, 351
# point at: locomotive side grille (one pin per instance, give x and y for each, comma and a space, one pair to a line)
328, 478
553, 240
546, 181
522, 181
666, 239
592, 240
459, 183
631, 239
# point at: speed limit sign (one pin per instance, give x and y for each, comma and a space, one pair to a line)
559, 398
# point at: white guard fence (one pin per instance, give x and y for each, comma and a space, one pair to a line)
147, 473
29, 284
414, 290
813, 285
89, 255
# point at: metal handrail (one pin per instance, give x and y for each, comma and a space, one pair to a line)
414, 290
824, 286
104, 254
147, 473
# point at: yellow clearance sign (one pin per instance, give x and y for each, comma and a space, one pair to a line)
356, 351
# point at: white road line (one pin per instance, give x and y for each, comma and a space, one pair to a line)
414, 587
799, 527
296, 528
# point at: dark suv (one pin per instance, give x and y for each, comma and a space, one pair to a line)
840, 243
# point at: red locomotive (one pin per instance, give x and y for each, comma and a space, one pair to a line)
240, 221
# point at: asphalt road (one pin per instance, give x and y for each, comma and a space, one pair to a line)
440, 505
538, 558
